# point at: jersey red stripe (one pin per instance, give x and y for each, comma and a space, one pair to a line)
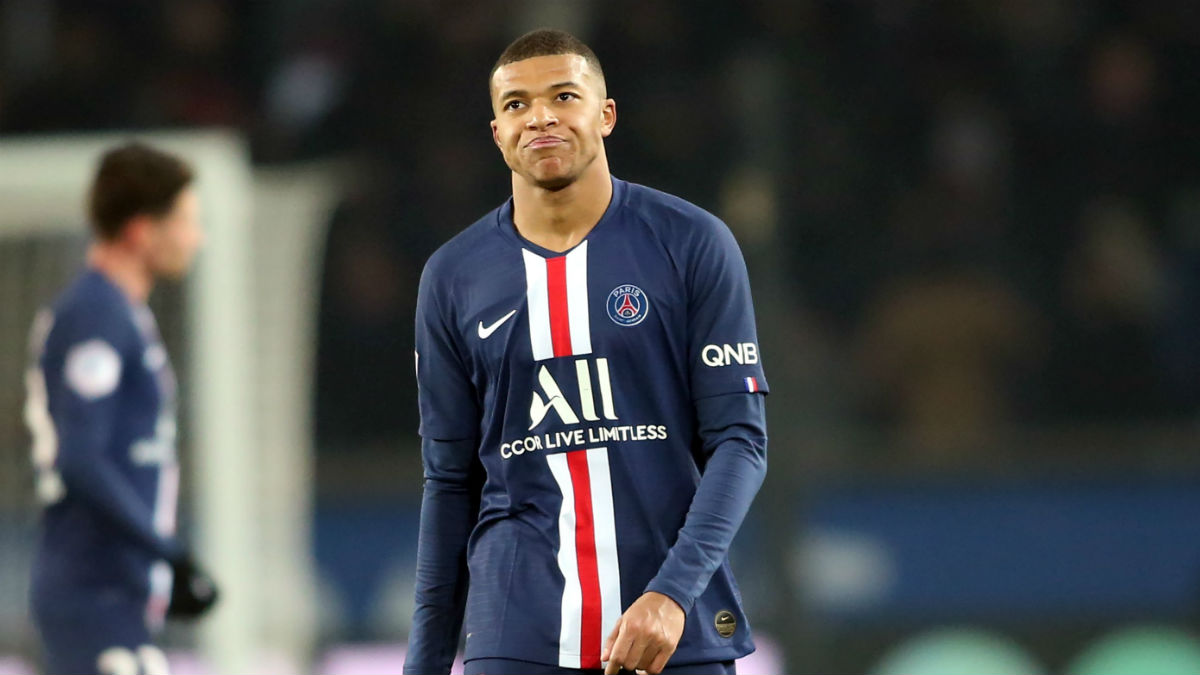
560, 318
585, 555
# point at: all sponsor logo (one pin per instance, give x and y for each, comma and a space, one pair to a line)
595, 413
555, 401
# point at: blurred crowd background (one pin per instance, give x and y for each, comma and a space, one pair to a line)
973, 232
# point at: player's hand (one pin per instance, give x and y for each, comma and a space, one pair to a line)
193, 592
645, 636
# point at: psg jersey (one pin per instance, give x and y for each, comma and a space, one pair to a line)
577, 374
101, 409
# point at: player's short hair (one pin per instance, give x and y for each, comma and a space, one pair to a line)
134, 179
546, 42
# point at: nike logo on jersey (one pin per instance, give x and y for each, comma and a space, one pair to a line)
485, 332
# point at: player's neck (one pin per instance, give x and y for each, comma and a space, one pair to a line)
125, 270
559, 219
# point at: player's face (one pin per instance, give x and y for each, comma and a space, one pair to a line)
551, 118
175, 238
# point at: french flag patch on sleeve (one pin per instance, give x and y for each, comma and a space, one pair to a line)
751, 385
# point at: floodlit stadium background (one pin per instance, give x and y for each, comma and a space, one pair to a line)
973, 231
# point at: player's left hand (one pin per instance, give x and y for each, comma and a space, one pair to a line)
193, 593
645, 636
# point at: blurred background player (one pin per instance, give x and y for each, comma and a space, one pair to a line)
588, 351
101, 408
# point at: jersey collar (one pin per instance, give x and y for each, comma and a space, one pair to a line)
504, 222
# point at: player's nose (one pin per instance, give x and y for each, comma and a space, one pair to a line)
540, 117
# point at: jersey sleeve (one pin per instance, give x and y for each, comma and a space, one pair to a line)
722, 339
448, 403
82, 380
450, 418
449, 510
733, 435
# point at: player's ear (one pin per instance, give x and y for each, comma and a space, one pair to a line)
608, 117
138, 231
496, 134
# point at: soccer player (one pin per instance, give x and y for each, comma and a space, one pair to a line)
591, 401
101, 409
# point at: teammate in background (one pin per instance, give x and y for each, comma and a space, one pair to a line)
101, 409
591, 403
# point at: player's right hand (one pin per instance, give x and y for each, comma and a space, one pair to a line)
193, 593
645, 636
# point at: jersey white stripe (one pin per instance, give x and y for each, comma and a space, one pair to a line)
167, 501
161, 580
49, 484
605, 526
537, 296
572, 599
577, 301
165, 507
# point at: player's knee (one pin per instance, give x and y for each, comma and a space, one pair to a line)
147, 660
154, 661
117, 661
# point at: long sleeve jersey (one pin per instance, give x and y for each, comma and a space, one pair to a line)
592, 429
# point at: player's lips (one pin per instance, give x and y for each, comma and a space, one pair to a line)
545, 142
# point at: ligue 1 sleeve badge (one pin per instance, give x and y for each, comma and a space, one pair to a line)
627, 305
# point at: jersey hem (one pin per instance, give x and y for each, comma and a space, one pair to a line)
706, 655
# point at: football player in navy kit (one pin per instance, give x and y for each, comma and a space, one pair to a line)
101, 410
591, 398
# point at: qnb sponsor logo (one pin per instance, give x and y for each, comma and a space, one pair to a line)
554, 399
743, 353
152, 452
158, 450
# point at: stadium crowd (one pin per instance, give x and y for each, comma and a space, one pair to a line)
962, 216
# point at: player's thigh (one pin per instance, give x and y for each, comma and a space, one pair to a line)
105, 636
517, 667
715, 668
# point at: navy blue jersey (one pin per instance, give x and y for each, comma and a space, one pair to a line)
573, 380
101, 408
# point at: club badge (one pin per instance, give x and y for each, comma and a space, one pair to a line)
627, 305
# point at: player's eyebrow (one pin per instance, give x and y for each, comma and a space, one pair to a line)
514, 93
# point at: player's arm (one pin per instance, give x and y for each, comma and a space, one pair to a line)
732, 428
450, 505
85, 414
449, 508
727, 395
733, 431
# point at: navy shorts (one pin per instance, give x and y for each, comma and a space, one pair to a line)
100, 632
515, 667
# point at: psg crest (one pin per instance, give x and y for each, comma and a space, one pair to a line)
627, 305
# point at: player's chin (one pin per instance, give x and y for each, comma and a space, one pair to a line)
552, 173
175, 271
552, 177
555, 183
